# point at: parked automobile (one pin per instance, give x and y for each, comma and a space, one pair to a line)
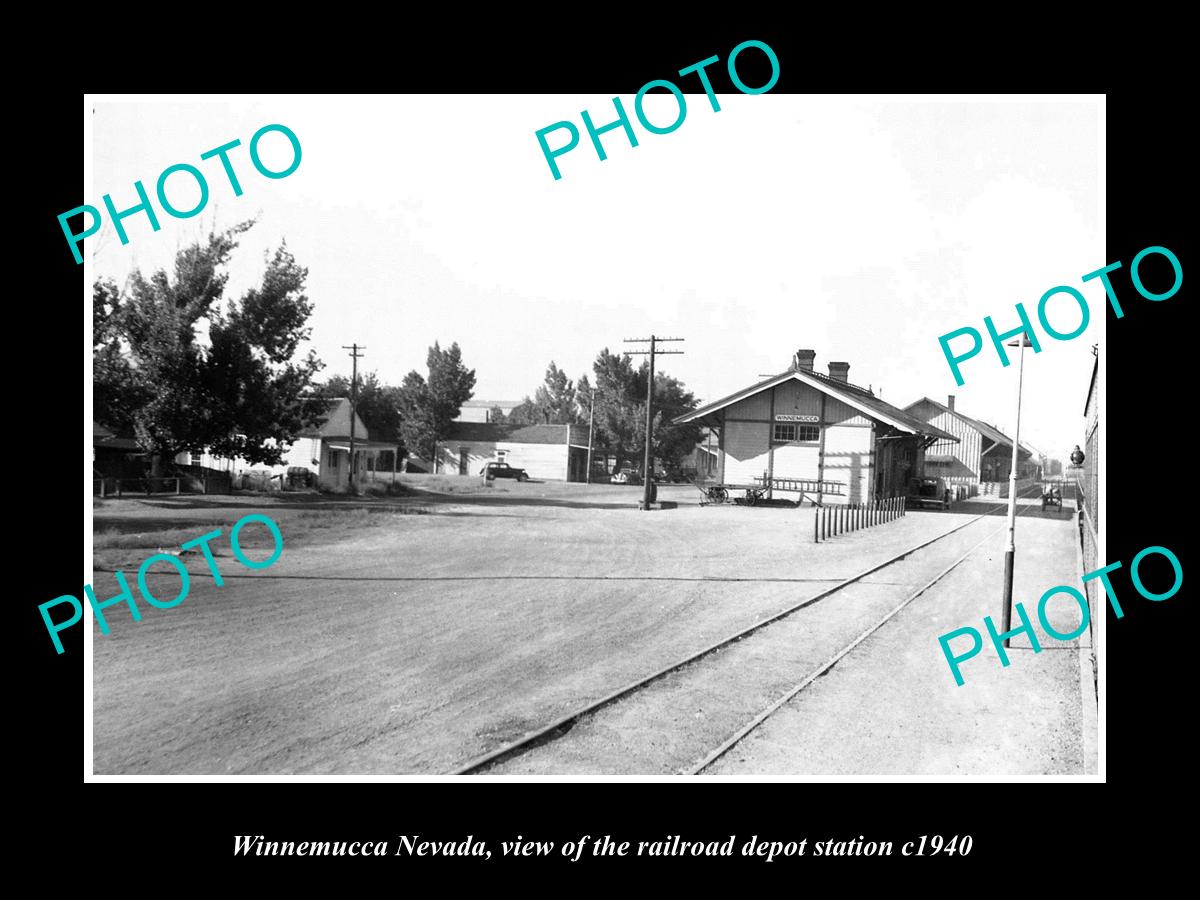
930, 491
627, 476
503, 470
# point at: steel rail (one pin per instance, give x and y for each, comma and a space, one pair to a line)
762, 717
555, 728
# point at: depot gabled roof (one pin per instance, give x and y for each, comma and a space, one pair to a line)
991, 432
852, 395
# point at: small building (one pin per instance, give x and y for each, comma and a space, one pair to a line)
546, 452
815, 436
115, 456
702, 464
979, 454
323, 449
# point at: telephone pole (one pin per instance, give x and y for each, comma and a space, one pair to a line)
591, 426
355, 356
648, 469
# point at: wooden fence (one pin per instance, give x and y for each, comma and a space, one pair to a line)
221, 483
831, 521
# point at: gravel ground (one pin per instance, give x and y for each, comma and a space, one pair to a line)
420, 641
891, 707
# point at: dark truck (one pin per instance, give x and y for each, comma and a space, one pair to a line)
503, 470
928, 492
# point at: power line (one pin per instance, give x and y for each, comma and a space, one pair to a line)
654, 340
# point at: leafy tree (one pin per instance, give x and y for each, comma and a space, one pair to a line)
583, 399
620, 419
238, 394
672, 443
116, 391
428, 406
496, 416
555, 398
620, 407
524, 413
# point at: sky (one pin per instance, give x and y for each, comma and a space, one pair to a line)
860, 227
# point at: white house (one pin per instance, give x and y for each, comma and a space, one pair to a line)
323, 450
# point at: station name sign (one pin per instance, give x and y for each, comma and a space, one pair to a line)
782, 418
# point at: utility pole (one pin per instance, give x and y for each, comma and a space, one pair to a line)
648, 469
355, 356
591, 424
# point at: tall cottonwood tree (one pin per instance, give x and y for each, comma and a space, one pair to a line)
555, 398
620, 417
238, 393
429, 404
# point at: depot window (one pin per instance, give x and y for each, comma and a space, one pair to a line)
787, 432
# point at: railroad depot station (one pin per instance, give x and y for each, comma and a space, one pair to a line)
981, 453
817, 438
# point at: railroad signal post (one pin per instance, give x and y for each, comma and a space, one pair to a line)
648, 468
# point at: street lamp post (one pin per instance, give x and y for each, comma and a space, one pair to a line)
1010, 548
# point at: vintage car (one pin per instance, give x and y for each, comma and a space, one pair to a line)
627, 476
929, 491
503, 470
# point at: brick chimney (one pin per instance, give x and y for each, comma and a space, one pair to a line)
839, 371
950, 403
804, 360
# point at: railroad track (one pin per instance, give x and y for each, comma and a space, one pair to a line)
561, 725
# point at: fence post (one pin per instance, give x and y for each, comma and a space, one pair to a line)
118, 488
816, 526
177, 485
101, 488
204, 484
903, 506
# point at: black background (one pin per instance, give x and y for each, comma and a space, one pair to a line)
191, 826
